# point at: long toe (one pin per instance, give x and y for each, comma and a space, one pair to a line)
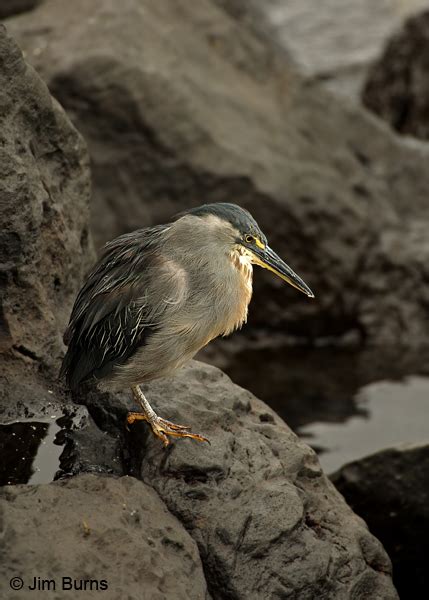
173, 426
162, 429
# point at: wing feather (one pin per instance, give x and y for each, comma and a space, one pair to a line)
111, 317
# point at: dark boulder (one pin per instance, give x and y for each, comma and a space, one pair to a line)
397, 85
390, 490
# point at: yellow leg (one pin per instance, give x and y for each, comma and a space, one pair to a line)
160, 427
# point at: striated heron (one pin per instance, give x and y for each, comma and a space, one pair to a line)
160, 294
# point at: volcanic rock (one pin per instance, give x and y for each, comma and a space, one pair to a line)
397, 87
91, 529
267, 521
44, 192
390, 490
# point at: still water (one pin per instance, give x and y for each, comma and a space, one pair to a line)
345, 404
30, 451
390, 413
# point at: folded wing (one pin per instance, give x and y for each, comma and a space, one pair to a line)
112, 316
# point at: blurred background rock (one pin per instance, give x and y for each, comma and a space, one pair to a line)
333, 42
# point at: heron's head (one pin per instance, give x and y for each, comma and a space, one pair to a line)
238, 230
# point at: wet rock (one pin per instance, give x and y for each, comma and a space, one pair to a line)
89, 450
397, 87
329, 184
97, 528
390, 490
267, 521
44, 431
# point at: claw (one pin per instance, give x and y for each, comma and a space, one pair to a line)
163, 428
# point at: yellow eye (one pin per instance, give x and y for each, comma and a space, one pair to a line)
249, 238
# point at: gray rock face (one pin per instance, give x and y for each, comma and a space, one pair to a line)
390, 490
96, 528
45, 248
397, 87
45, 243
267, 521
341, 199
44, 194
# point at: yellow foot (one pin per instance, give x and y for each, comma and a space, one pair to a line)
163, 428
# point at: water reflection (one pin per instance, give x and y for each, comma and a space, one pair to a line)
395, 413
29, 450
345, 403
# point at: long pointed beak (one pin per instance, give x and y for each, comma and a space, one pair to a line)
268, 259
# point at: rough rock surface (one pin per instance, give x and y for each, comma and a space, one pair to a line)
44, 243
267, 521
340, 197
44, 202
397, 87
94, 528
45, 248
390, 490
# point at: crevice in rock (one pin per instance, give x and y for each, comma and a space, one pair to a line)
26, 352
